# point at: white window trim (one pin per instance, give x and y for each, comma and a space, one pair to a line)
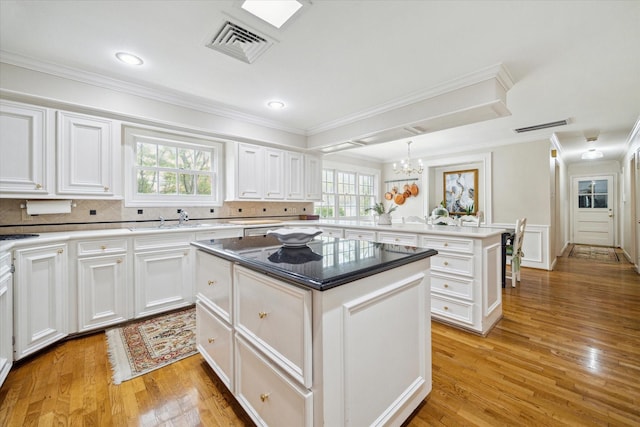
347, 167
132, 134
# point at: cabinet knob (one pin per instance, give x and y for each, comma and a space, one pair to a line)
106, 188
397, 240
446, 286
446, 308
60, 251
264, 396
262, 314
103, 247
38, 186
211, 282
119, 261
211, 340
446, 244
445, 263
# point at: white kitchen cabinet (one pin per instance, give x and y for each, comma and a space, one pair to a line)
214, 340
262, 173
6, 316
87, 155
360, 234
313, 177
41, 297
294, 176
163, 273
104, 294
26, 152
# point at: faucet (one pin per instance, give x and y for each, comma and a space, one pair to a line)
184, 217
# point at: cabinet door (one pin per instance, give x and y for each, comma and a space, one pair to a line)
213, 283
250, 171
102, 291
85, 155
41, 298
23, 164
313, 177
6, 326
274, 174
163, 280
294, 176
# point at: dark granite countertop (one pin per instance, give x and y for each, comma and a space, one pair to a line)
325, 262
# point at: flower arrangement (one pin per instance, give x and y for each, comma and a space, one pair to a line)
380, 209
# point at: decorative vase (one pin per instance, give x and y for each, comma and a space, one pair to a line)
384, 219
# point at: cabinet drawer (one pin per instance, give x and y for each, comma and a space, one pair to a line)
275, 317
214, 338
453, 286
163, 240
219, 234
213, 283
367, 235
449, 244
447, 308
101, 246
5, 263
268, 396
453, 263
332, 232
398, 238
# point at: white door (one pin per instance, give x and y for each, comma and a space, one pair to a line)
593, 213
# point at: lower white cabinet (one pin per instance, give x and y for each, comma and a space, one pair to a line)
214, 340
6, 316
41, 303
104, 292
163, 273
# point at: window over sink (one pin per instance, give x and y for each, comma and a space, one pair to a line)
171, 169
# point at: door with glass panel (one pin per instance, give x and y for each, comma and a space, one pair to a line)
593, 213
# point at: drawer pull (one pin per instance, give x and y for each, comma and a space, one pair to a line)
446, 308
211, 340
262, 314
446, 285
119, 261
397, 240
60, 251
38, 186
103, 247
264, 396
445, 263
211, 282
445, 244
106, 188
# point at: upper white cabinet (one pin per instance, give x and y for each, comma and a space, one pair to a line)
24, 163
313, 177
76, 155
86, 155
262, 173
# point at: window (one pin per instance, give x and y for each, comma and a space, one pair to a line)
346, 194
167, 169
593, 194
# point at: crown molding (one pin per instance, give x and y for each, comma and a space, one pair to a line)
498, 72
146, 91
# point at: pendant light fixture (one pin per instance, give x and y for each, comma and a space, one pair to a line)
406, 166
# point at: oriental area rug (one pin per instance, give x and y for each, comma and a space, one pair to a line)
141, 347
594, 253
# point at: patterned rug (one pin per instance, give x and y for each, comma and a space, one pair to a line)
141, 347
594, 253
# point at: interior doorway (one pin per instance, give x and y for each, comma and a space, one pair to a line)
593, 212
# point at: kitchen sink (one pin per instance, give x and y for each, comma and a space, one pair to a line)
180, 226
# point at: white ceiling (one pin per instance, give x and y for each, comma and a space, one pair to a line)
336, 60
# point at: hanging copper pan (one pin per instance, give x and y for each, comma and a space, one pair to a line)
414, 189
399, 199
388, 195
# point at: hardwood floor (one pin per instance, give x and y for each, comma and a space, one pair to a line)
567, 352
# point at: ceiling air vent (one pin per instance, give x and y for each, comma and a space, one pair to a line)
541, 126
239, 43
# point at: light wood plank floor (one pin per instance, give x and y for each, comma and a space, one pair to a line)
567, 352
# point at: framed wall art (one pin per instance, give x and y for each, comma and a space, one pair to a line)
461, 191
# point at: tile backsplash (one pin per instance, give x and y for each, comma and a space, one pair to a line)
102, 214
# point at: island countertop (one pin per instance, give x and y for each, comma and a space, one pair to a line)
324, 263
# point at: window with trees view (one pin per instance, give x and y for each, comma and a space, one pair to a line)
172, 169
346, 194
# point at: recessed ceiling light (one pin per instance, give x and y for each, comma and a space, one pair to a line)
592, 154
129, 58
276, 105
275, 12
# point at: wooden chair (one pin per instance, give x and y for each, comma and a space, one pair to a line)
471, 220
515, 251
415, 219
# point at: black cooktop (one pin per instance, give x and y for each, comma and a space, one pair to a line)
16, 236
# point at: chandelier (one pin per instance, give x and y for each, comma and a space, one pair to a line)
405, 165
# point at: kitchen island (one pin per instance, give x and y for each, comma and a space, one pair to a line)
333, 333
